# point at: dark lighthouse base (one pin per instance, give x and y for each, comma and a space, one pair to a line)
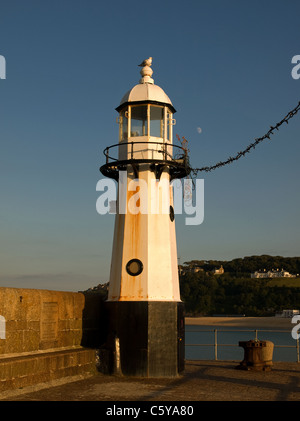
144, 338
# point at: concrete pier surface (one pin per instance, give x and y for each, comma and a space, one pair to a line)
201, 381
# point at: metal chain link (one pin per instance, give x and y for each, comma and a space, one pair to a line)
258, 140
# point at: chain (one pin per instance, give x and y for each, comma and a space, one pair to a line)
258, 140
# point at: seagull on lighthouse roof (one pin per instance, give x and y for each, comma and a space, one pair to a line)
146, 62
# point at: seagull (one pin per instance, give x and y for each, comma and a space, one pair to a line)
146, 62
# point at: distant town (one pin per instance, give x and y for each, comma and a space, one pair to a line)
263, 266
273, 273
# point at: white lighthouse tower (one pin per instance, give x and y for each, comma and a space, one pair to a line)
145, 312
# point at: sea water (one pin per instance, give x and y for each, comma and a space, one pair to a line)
200, 342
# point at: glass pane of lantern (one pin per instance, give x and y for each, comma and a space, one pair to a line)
169, 119
156, 121
123, 121
139, 123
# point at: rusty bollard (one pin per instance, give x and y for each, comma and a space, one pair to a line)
258, 355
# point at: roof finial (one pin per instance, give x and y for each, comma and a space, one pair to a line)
146, 71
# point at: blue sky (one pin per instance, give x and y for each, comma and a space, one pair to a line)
226, 65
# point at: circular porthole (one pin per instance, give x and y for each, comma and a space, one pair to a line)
172, 215
134, 267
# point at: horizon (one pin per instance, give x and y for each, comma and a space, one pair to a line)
230, 72
194, 260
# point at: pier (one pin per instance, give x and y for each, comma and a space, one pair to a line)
201, 381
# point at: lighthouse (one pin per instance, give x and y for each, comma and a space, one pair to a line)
144, 310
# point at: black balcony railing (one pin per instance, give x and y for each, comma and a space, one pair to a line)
176, 163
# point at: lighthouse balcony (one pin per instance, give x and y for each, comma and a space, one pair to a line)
159, 156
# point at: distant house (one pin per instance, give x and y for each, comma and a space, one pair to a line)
196, 269
219, 271
272, 274
189, 269
287, 313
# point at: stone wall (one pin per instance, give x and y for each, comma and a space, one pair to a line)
46, 335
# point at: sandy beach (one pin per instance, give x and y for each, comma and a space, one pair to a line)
251, 322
